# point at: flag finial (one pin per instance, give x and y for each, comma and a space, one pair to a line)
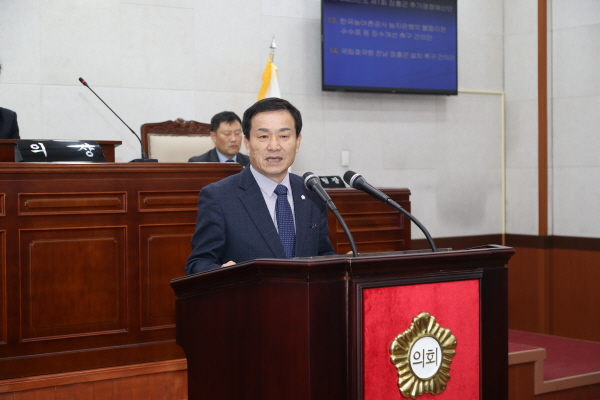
273, 47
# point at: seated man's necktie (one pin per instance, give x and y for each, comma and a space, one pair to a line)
285, 221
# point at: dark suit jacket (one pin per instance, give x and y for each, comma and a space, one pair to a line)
9, 129
234, 224
212, 156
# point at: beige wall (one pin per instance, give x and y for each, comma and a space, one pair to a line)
154, 60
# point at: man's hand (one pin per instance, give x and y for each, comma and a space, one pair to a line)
228, 264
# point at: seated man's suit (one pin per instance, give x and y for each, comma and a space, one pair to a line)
212, 156
9, 128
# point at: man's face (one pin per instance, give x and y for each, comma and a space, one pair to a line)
272, 143
228, 138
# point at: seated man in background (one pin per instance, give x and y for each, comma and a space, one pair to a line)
226, 133
263, 211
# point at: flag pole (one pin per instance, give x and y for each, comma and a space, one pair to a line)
269, 85
273, 47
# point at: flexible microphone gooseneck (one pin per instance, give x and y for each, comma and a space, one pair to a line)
312, 182
144, 158
356, 181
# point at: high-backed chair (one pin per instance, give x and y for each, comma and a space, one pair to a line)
176, 141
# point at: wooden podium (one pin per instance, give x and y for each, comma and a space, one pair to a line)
320, 328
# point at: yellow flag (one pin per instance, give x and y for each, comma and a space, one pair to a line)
270, 85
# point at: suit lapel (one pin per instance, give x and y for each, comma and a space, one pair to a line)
254, 202
213, 156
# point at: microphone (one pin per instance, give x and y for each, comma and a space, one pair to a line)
356, 181
312, 182
144, 158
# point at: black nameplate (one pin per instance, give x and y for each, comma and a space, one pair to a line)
77, 151
330, 182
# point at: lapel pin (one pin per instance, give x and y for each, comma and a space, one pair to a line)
303, 197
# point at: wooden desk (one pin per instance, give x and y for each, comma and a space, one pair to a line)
88, 250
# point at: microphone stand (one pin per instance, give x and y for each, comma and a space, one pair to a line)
398, 207
356, 181
345, 228
144, 158
311, 182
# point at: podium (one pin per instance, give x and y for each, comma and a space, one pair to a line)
321, 328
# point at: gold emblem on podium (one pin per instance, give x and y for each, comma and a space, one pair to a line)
422, 355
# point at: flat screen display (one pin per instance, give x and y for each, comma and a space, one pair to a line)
389, 46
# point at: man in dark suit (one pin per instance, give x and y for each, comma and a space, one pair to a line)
9, 129
226, 133
249, 215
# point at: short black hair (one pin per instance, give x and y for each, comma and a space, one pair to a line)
267, 105
223, 116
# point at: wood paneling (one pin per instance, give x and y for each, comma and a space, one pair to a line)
161, 245
521, 378
574, 297
72, 282
88, 251
159, 380
71, 203
553, 286
2, 287
374, 226
169, 201
527, 291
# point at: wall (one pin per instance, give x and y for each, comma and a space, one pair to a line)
551, 276
520, 74
575, 169
155, 60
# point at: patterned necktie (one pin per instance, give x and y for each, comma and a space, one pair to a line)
285, 222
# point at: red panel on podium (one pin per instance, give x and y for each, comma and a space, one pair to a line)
389, 311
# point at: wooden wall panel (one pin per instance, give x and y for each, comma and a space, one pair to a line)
71, 203
148, 381
375, 226
73, 282
521, 378
574, 296
89, 251
179, 200
164, 251
527, 291
553, 286
2, 287
2, 275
